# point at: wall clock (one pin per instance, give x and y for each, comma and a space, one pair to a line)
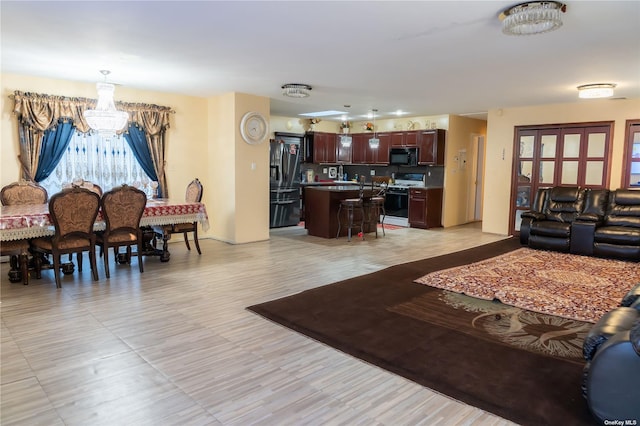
254, 128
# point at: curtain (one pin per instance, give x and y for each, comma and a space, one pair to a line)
54, 144
137, 141
37, 113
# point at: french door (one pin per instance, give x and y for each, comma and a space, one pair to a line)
558, 155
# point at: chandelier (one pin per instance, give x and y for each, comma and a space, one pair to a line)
296, 90
592, 91
532, 17
105, 118
374, 142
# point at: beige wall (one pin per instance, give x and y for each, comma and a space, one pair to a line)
239, 172
459, 178
203, 141
499, 151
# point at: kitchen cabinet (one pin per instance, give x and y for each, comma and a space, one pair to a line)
324, 147
431, 146
425, 207
344, 152
362, 153
404, 139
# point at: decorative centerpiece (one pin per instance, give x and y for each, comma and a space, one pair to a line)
368, 126
345, 126
313, 122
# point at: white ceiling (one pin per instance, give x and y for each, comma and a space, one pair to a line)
423, 57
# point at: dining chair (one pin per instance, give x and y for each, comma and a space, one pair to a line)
20, 193
23, 192
73, 212
193, 195
91, 187
122, 209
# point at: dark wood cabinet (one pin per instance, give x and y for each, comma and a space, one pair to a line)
359, 147
344, 152
431, 146
425, 207
404, 139
324, 147
362, 153
380, 155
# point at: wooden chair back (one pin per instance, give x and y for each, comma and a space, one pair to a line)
24, 192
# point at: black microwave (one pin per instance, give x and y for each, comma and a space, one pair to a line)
403, 156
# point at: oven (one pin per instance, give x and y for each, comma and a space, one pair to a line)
396, 202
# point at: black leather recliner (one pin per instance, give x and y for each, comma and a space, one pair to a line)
611, 379
619, 233
550, 228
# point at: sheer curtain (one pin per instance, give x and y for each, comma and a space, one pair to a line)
104, 160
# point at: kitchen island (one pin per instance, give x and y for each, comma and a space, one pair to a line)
321, 209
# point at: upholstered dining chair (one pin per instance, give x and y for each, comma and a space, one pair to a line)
91, 187
73, 212
193, 195
23, 192
122, 209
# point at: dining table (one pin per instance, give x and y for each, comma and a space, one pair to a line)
28, 221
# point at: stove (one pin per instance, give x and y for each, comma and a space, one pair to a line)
397, 197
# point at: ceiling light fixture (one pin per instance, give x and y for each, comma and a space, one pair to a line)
535, 17
105, 118
296, 90
374, 142
592, 91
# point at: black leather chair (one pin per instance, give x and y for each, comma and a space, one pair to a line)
550, 229
618, 235
611, 379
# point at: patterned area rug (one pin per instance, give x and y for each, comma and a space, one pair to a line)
570, 286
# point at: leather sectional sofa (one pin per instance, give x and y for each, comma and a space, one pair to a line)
611, 376
584, 221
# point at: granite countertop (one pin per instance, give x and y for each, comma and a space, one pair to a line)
334, 188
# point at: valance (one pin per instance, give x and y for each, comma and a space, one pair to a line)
42, 112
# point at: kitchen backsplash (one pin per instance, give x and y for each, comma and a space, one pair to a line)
434, 175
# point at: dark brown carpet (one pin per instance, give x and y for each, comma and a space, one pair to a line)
440, 340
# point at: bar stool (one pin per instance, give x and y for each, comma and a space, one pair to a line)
375, 205
351, 205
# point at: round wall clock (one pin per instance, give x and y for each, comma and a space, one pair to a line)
254, 128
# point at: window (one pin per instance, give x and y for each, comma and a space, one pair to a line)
631, 172
104, 160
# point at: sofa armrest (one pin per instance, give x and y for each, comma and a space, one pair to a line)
582, 237
534, 215
590, 217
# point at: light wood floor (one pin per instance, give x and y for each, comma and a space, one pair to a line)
176, 346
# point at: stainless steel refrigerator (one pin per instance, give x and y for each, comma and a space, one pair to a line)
285, 157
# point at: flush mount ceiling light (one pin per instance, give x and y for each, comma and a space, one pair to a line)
592, 91
296, 90
105, 118
532, 17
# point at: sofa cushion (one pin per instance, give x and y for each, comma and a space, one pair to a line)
564, 203
551, 229
622, 235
